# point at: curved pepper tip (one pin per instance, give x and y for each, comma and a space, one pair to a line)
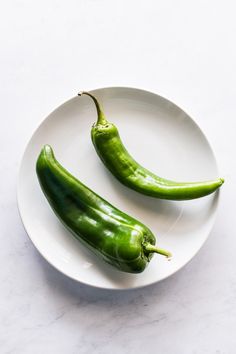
47, 148
47, 151
222, 180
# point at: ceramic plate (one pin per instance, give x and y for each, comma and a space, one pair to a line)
158, 134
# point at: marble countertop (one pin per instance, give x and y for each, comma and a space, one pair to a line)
182, 50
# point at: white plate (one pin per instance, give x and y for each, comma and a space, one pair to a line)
159, 135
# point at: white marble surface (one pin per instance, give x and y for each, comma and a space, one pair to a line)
184, 50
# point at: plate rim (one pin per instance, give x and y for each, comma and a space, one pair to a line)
45, 256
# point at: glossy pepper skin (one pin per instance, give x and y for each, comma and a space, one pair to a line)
117, 238
112, 152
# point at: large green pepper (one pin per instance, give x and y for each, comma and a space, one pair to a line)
110, 149
118, 238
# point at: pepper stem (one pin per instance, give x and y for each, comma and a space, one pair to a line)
150, 248
101, 116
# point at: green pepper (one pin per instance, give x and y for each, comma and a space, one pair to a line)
110, 149
117, 238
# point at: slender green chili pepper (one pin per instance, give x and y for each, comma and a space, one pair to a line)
117, 238
110, 149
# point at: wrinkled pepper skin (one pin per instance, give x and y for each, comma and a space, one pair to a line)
112, 152
117, 238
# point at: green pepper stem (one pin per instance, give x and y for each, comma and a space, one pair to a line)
150, 248
101, 116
